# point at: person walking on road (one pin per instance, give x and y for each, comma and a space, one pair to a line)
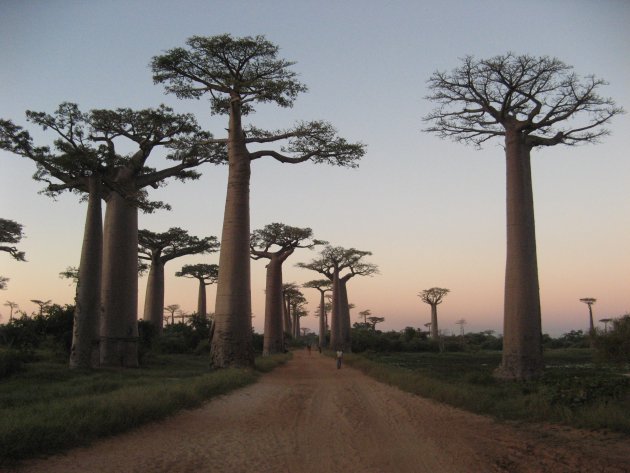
339, 358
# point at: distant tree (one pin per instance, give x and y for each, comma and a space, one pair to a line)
294, 302
237, 73
433, 297
461, 323
615, 344
365, 314
3, 282
43, 305
333, 261
589, 301
205, 274
373, 320
323, 286
528, 102
158, 249
71, 273
171, 309
606, 322
276, 242
12, 306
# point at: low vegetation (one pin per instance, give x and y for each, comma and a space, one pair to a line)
47, 408
574, 390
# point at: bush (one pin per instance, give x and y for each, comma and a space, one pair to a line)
10, 362
614, 345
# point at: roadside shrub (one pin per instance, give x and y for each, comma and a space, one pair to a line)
614, 345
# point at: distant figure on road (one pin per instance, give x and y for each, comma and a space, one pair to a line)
308, 347
339, 358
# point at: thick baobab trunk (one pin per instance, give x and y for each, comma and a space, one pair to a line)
522, 335
434, 322
154, 298
296, 324
201, 299
286, 316
119, 296
85, 331
273, 336
345, 334
232, 337
322, 319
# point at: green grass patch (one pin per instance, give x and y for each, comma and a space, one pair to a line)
573, 391
46, 408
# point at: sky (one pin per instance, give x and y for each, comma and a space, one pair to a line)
431, 211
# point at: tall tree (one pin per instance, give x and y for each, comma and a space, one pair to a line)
77, 165
365, 314
158, 249
147, 130
291, 291
236, 74
12, 306
373, 320
528, 102
43, 305
323, 286
589, 301
433, 297
206, 274
276, 242
339, 265
171, 309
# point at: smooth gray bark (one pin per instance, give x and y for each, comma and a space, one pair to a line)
322, 319
201, 298
273, 341
154, 297
522, 337
434, 322
85, 331
119, 317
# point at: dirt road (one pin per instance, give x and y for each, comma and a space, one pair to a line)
308, 416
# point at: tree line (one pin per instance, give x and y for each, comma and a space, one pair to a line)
528, 102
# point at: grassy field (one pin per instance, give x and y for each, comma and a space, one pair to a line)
573, 391
46, 408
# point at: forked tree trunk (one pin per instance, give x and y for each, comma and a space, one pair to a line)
232, 337
522, 331
201, 299
85, 332
434, 322
119, 296
345, 334
322, 319
154, 298
273, 335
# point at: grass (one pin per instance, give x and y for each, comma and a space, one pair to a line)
573, 391
47, 408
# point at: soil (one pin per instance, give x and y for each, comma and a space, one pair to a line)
309, 416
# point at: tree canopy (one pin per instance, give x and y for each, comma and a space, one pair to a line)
172, 244
11, 233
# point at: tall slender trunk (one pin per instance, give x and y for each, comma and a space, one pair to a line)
119, 296
322, 319
522, 331
232, 337
335, 317
154, 298
286, 314
273, 335
201, 299
85, 332
344, 328
434, 322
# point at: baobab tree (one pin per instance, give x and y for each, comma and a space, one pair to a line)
276, 242
433, 297
205, 274
43, 305
365, 314
158, 249
293, 301
373, 320
12, 306
528, 102
323, 286
604, 321
332, 263
171, 309
589, 301
236, 74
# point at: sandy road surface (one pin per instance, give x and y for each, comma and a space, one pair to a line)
308, 416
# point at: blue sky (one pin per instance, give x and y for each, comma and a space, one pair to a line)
431, 211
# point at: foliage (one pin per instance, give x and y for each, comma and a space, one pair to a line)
172, 244
11, 232
573, 390
614, 345
11, 361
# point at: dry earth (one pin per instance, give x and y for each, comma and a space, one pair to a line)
308, 416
